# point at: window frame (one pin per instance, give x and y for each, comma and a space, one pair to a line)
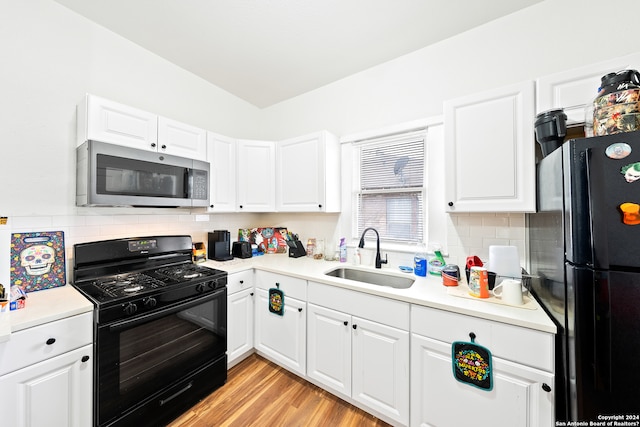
407, 135
438, 220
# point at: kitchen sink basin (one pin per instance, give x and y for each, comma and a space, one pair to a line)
371, 277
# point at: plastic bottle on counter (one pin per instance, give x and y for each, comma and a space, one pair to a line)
436, 262
356, 257
420, 261
343, 250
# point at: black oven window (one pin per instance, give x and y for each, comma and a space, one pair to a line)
163, 350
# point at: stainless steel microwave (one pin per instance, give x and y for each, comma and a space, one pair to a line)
114, 175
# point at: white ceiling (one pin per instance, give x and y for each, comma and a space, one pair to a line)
267, 51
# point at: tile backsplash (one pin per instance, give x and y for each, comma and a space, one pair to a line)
473, 233
467, 233
96, 226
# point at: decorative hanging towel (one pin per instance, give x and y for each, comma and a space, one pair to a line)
472, 364
37, 260
276, 300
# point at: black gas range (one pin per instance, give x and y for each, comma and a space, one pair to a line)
160, 327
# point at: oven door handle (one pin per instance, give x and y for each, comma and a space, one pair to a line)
164, 312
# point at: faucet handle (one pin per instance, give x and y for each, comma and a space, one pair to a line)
385, 260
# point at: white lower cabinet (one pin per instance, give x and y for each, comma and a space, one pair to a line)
358, 348
240, 301
523, 380
46, 374
55, 392
329, 348
282, 338
391, 358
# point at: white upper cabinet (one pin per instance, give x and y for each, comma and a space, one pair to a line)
490, 151
308, 174
221, 154
180, 139
573, 89
103, 120
256, 176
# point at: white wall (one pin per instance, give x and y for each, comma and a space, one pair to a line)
52, 56
548, 37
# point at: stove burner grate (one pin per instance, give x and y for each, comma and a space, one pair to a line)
183, 272
127, 284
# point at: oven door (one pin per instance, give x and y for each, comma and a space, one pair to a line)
143, 359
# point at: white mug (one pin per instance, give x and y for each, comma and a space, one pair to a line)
509, 291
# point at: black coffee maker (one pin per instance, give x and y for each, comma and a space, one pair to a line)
219, 245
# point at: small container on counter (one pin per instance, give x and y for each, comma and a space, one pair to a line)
479, 282
343, 250
318, 253
356, 256
450, 275
420, 261
311, 247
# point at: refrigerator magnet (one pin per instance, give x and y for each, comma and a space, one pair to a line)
631, 172
617, 151
630, 213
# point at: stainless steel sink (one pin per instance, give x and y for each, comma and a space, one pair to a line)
371, 277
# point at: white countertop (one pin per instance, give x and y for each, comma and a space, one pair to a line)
57, 303
47, 306
427, 291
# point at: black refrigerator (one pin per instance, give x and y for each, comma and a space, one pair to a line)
584, 247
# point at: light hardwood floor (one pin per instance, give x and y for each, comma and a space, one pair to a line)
260, 393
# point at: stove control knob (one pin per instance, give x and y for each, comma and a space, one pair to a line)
149, 302
130, 308
213, 284
200, 288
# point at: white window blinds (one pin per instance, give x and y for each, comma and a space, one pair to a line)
391, 190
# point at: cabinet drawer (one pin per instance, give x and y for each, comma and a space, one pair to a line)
378, 309
291, 286
30, 346
515, 343
239, 281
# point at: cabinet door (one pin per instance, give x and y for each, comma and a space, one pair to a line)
380, 368
55, 392
572, 89
300, 166
107, 121
329, 348
490, 151
180, 139
239, 325
438, 399
256, 176
308, 174
281, 338
221, 152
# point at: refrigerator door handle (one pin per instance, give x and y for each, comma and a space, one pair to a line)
596, 191
602, 334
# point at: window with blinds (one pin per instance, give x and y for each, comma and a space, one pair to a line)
391, 192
